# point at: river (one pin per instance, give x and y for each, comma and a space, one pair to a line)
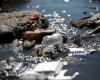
61, 12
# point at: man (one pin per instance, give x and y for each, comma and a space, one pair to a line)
36, 21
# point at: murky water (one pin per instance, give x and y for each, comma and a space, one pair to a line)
60, 12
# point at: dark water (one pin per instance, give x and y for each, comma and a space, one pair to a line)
89, 69
73, 9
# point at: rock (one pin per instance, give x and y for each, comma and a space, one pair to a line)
8, 62
38, 49
54, 39
47, 51
91, 22
64, 35
59, 53
9, 22
14, 18
77, 41
6, 66
49, 42
4, 28
11, 60
28, 44
18, 21
83, 23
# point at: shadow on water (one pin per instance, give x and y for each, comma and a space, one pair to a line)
6, 4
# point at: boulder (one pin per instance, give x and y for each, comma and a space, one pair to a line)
28, 44
6, 66
8, 24
91, 22
21, 21
54, 39
50, 42
83, 23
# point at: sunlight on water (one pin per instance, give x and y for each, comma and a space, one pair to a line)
66, 0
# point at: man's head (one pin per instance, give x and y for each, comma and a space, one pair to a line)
35, 16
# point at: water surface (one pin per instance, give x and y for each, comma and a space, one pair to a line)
60, 13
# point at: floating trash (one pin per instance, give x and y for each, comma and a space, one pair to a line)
79, 51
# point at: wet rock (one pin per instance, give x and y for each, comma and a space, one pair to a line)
47, 51
13, 19
64, 35
91, 22
9, 22
52, 46
87, 41
54, 52
6, 66
21, 21
54, 39
83, 23
59, 53
77, 41
28, 44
